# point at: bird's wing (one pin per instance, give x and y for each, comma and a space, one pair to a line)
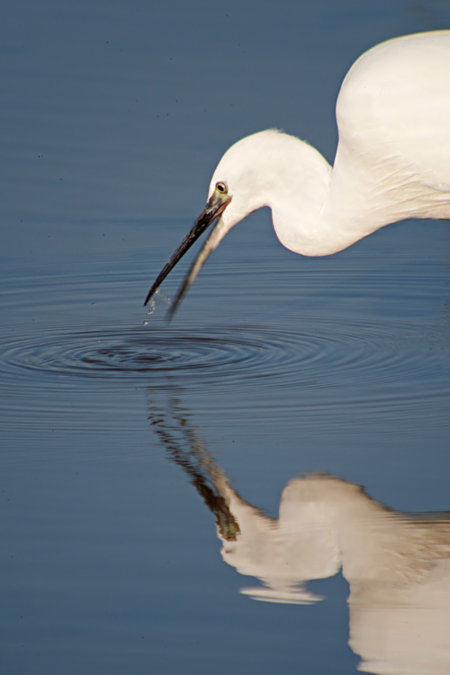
394, 106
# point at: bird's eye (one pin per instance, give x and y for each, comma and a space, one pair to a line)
222, 188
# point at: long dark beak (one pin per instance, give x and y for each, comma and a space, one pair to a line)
212, 211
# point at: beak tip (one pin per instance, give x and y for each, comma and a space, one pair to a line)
149, 295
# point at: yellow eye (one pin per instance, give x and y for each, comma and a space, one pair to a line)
222, 188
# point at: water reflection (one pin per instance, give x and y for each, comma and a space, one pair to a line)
397, 564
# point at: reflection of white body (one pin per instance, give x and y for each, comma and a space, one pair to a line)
398, 568
403, 629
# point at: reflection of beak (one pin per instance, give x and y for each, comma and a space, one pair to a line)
213, 210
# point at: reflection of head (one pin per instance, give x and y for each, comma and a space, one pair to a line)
298, 546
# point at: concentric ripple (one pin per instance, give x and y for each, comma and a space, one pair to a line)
220, 354
61, 359
135, 352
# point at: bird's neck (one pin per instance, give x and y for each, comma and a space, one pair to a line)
297, 197
328, 210
314, 214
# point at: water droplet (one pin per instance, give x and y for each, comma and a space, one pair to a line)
157, 300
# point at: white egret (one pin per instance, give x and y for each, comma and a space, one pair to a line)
392, 161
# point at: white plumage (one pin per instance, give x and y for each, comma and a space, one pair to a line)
392, 160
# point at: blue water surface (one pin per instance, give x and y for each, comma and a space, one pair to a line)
130, 447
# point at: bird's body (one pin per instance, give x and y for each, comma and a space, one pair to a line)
392, 160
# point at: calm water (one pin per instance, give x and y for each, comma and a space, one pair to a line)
183, 498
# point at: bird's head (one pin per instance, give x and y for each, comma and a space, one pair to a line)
236, 189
